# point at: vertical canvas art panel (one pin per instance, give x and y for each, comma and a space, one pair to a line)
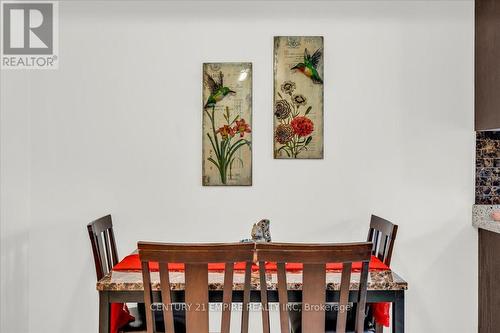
298, 97
227, 124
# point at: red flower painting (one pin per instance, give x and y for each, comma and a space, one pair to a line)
225, 132
294, 130
241, 127
223, 143
302, 126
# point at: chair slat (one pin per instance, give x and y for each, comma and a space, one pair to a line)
227, 298
263, 297
246, 298
113, 246
375, 241
166, 298
147, 296
283, 298
344, 297
383, 248
391, 242
107, 249
102, 256
361, 306
196, 297
313, 298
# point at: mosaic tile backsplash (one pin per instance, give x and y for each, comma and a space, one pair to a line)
488, 168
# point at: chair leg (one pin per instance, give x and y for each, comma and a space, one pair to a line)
104, 312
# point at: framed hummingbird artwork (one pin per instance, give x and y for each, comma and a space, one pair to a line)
227, 124
298, 97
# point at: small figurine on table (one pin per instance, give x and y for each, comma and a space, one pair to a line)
260, 232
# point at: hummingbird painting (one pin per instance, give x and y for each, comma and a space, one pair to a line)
217, 90
310, 66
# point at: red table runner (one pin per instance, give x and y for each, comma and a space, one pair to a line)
133, 263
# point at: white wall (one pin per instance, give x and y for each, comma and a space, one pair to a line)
117, 129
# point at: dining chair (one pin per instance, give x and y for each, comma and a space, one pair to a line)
382, 234
102, 240
195, 258
314, 258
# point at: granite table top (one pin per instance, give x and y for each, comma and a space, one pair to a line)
132, 281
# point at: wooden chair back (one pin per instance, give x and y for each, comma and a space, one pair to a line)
382, 234
314, 258
103, 244
196, 258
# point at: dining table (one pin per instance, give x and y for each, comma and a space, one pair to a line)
127, 287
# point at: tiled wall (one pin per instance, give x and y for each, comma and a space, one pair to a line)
488, 168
